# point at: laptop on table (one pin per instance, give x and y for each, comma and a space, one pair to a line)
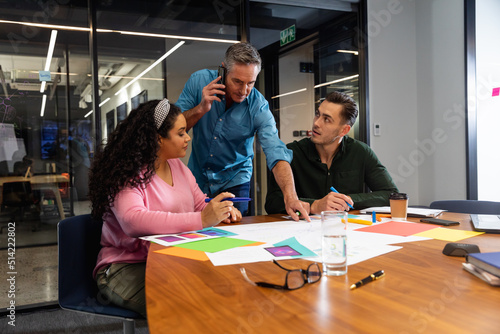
486, 223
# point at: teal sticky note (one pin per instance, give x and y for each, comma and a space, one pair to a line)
293, 243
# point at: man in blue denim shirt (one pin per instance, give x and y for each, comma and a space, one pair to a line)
224, 129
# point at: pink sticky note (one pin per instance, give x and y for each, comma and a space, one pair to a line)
397, 228
496, 91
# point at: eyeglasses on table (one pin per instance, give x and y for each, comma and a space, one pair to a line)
295, 278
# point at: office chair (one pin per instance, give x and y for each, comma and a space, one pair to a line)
17, 195
468, 206
78, 246
4, 168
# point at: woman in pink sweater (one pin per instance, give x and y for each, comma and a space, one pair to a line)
139, 187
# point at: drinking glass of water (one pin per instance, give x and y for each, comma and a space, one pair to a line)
334, 246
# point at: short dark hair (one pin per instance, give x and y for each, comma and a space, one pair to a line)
349, 107
242, 53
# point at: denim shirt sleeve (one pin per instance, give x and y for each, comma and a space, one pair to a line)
267, 133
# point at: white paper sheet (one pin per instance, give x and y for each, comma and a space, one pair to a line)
361, 245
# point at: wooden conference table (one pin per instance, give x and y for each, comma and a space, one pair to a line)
423, 291
49, 181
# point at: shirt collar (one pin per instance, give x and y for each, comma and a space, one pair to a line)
314, 155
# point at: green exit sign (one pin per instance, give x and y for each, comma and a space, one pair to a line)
287, 35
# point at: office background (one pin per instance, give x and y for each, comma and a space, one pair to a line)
405, 62
426, 107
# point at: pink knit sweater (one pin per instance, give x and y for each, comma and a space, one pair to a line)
156, 209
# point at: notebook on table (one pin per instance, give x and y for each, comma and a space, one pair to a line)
489, 262
411, 212
486, 223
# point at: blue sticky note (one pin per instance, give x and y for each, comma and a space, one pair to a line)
216, 232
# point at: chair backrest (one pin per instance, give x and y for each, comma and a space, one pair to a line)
79, 241
79, 244
468, 206
17, 193
4, 168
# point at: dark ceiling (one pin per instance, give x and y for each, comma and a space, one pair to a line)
200, 18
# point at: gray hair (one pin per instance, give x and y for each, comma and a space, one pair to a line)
242, 53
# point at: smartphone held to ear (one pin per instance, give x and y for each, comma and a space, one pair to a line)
222, 74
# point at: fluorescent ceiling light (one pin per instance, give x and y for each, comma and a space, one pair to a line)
178, 45
317, 86
52, 44
124, 77
338, 80
105, 101
100, 104
44, 100
289, 93
349, 51
61, 27
50, 26
176, 37
70, 74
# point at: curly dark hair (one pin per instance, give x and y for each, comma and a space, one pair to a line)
131, 149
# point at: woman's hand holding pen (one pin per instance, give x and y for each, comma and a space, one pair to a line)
218, 211
331, 202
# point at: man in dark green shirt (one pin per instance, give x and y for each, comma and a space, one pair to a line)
331, 158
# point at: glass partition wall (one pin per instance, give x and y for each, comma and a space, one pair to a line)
142, 50
45, 138
46, 142
48, 136
309, 49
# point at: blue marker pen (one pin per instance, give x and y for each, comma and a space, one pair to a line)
232, 199
335, 191
374, 217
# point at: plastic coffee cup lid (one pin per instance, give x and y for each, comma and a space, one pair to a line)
398, 196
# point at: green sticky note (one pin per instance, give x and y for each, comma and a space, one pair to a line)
216, 244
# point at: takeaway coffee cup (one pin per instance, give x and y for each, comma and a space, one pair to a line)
399, 205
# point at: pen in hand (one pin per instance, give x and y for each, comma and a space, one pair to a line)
335, 191
232, 199
371, 278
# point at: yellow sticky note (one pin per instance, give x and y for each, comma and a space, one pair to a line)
447, 234
184, 252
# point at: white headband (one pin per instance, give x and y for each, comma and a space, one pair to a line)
161, 112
